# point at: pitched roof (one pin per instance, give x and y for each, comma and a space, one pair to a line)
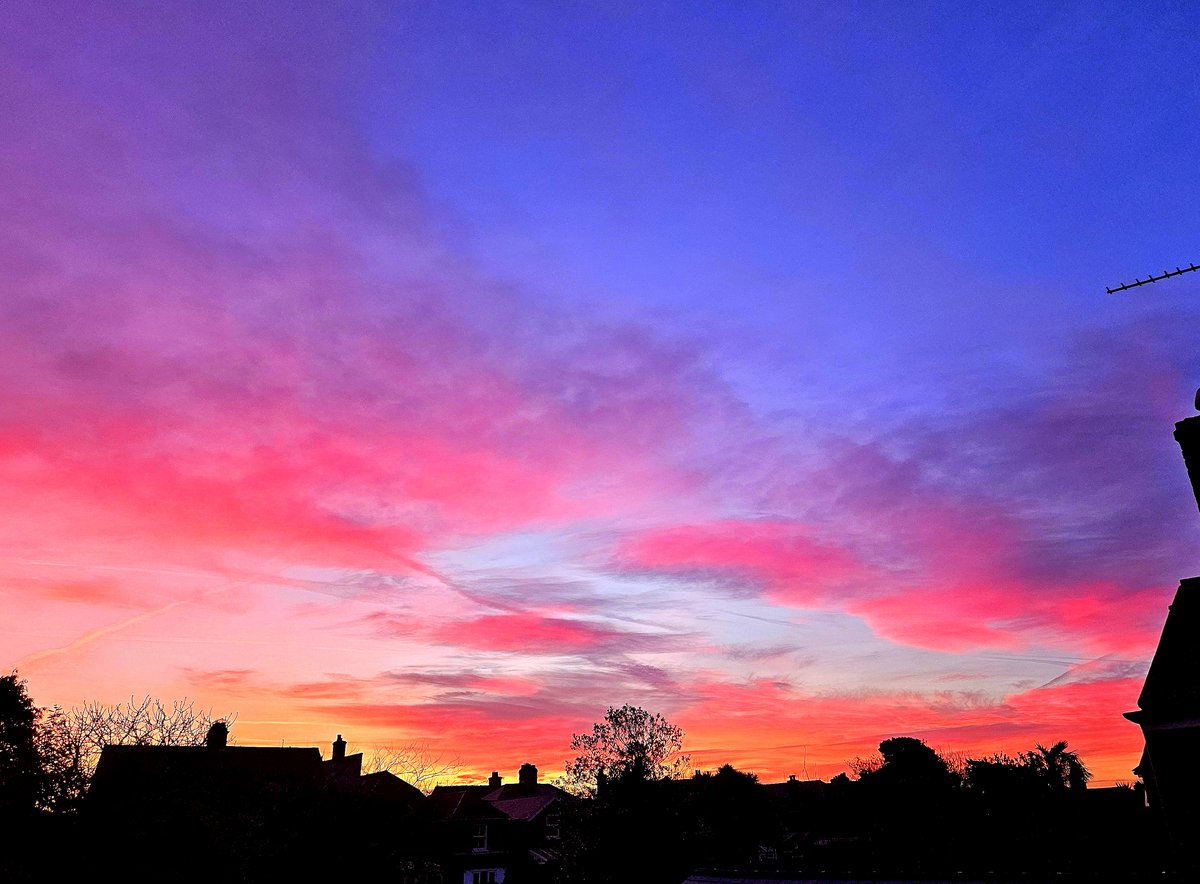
177, 761
387, 786
521, 802
462, 802
206, 773
1172, 686
513, 801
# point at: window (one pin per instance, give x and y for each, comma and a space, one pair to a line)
484, 876
479, 837
553, 824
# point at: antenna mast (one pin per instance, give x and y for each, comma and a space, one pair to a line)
1136, 282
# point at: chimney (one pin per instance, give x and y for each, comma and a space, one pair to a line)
218, 735
339, 748
528, 776
494, 780
1187, 434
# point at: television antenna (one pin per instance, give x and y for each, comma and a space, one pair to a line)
1152, 278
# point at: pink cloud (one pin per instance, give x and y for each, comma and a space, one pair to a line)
777, 557
951, 587
534, 633
105, 593
527, 633
1098, 618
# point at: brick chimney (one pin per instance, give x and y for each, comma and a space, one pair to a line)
339, 748
494, 780
527, 776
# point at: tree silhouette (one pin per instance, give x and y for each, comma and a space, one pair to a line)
631, 744
81, 733
1060, 770
910, 764
418, 764
65, 767
20, 767
631, 764
911, 800
727, 817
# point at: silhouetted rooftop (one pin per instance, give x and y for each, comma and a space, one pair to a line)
795, 788
523, 802
463, 802
174, 761
1172, 687
514, 801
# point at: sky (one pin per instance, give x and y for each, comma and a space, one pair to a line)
446, 373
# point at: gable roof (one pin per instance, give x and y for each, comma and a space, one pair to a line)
1172, 687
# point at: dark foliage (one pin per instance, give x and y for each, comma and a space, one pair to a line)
20, 765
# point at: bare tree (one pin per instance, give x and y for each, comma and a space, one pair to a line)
860, 765
956, 761
418, 764
81, 733
65, 765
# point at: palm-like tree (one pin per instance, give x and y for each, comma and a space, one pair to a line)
1060, 769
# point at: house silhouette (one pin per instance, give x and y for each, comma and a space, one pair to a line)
1169, 704
265, 811
501, 830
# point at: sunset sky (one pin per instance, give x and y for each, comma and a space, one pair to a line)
448, 372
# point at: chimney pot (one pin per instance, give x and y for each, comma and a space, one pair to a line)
494, 780
339, 748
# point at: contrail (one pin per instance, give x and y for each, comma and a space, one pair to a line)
96, 634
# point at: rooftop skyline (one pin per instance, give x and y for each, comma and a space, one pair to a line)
443, 373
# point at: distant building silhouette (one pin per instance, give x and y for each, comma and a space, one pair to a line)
217, 774
260, 810
493, 832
